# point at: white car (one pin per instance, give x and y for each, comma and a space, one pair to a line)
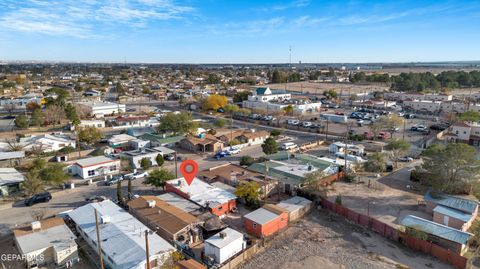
233, 150
293, 122
306, 124
137, 175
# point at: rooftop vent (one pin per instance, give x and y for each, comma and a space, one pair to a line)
151, 203
223, 235
105, 219
36, 225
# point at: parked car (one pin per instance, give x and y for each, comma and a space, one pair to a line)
439, 126
406, 159
169, 157
96, 199
38, 198
288, 145
401, 114
114, 180
137, 175
409, 116
382, 135
360, 122
221, 154
306, 124
340, 113
233, 150
293, 122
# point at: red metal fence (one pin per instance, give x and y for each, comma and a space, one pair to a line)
391, 233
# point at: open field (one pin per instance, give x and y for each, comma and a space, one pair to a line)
326, 241
318, 88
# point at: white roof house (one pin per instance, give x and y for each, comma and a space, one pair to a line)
296, 206
202, 193
10, 180
95, 166
50, 238
122, 236
47, 142
120, 140
100, 109
224, 245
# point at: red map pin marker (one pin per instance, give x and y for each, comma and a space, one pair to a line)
189, 169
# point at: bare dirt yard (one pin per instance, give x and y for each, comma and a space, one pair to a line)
319, 87
388, 199
327, 241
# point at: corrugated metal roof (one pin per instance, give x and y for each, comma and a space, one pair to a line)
93, 161
294, 203
461, 204
457, 214
12, 155
123, 237
261, 216
219, 242
436, 229
10, 175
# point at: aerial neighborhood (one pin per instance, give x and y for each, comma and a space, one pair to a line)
238, 166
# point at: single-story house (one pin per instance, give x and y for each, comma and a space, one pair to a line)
95, 166
266, 220
219, 201
120, 141
336, 147
230, 174
122, 236
224, 245
170, 222
10, 180
161, 140
135, 156
47, 142
47, 242
296, 206
442, 235
202, 143
455, 212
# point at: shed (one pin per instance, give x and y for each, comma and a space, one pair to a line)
296, 206
266, 220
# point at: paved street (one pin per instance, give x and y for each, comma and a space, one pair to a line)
69, 199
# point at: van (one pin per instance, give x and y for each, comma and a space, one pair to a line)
288, 145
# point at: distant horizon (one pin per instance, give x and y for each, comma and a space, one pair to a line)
243, 32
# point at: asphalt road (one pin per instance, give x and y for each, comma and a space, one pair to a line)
72, 198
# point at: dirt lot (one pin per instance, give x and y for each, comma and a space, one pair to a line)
327, 241
319, 87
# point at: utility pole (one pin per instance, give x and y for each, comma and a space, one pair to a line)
146, 249
326, 131
176, 168
404, 123
346, 150
265, 180
231, 128
98, 240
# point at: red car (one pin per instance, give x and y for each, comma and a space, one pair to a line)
340, 113
383, 135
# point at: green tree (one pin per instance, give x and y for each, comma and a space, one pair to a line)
71, 114
181, 123
288, 110
54, 174
37, 118
375, 163
470, 116
398, 149
275, 133
270, 146
38, 164
231, 108
158, 177
240, 96
220, 122
247, 160
89, 135
330, 94
391, 123
248, 190
452, 168
145, 163
32, 184
21, 121
160, 160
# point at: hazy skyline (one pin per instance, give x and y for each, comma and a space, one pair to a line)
209, 31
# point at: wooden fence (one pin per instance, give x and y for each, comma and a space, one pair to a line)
391, 233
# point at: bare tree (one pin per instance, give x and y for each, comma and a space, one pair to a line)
54, 114
13, 145
38, 214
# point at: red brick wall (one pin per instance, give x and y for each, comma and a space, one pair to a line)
170, 188
224, 208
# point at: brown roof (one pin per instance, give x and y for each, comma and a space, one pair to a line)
275, 209
226, 171
45, 225
170, 218
460, 124
190, 264
207, 139
256, 134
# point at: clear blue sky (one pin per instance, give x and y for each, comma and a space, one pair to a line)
242, 31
